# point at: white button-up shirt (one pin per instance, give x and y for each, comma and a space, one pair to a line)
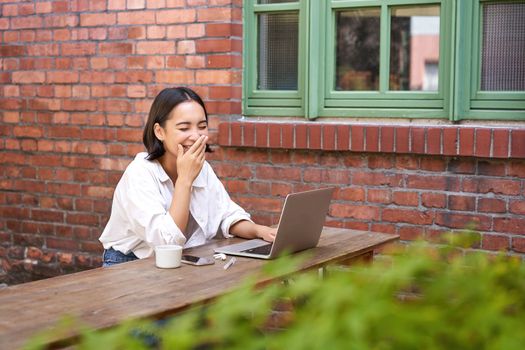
140, 219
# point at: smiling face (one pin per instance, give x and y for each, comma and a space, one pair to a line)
186, 122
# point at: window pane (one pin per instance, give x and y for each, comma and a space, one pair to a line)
357, 49
274, 1
278, 51
414, 48
503, 47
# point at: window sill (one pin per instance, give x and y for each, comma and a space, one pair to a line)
464, 140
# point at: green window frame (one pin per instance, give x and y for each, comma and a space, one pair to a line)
472, 103
458, 95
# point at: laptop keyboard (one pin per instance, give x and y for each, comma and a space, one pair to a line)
261, 250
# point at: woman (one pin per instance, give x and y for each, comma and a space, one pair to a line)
170, 195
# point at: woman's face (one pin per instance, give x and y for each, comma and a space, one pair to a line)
186, 122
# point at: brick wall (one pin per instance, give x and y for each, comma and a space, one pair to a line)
78, 78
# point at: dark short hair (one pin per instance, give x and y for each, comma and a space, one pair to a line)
159, 112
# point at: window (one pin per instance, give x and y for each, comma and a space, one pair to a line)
392, 58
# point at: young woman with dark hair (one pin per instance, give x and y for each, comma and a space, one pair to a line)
170, 194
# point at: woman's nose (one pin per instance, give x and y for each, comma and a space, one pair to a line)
194, 136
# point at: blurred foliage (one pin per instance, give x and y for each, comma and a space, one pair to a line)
416, 297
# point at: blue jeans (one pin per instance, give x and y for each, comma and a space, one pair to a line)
112, 257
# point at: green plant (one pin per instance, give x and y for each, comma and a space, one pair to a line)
421, 297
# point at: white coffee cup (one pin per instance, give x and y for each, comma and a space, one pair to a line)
168, 256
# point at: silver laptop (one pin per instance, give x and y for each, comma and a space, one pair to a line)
302, 220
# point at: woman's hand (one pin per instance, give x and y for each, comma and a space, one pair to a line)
189, 163
266, 233
250, 230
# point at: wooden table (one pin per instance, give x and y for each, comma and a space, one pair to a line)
104, 297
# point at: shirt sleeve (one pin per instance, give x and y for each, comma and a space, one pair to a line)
231, 211
147, 210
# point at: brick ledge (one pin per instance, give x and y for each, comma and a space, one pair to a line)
475, 141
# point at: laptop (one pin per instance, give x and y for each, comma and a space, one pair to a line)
300, 226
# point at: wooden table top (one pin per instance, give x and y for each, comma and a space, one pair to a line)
104, 297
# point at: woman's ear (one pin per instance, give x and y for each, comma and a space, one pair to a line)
159, 132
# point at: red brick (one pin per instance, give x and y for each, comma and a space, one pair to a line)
462, 166
175, 16
62, 77
314, 136
274, 135
329, 138
357, 138
510, 225
97, 19
500, 143
426, 182
387, 139
434, 200
214, 77
491, 205
517, 207
301, 136
26, 22
219, 29
518, 244
461, 203
417, 137
466, 141
517, 145
78, 49
376, 179
379, 196
406, 162
407, 216
235, 134
402, 139
433, 164
483, 142
28, 77
488, 185
60, 6
406, 198
153, 47
144, 17
380, 162
66, 244
410, 233
281, 173
462, 221
495, 242
115, 48
12, 50
287, 136
214, 15
356, 194
372, 138
261, 135
434, 141
248, 134
450, 141
362, 212
517, 168
213, 45
343, 137
61, 21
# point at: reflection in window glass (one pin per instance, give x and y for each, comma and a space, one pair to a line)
414, 48
357, 49
503, 47
278, 43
